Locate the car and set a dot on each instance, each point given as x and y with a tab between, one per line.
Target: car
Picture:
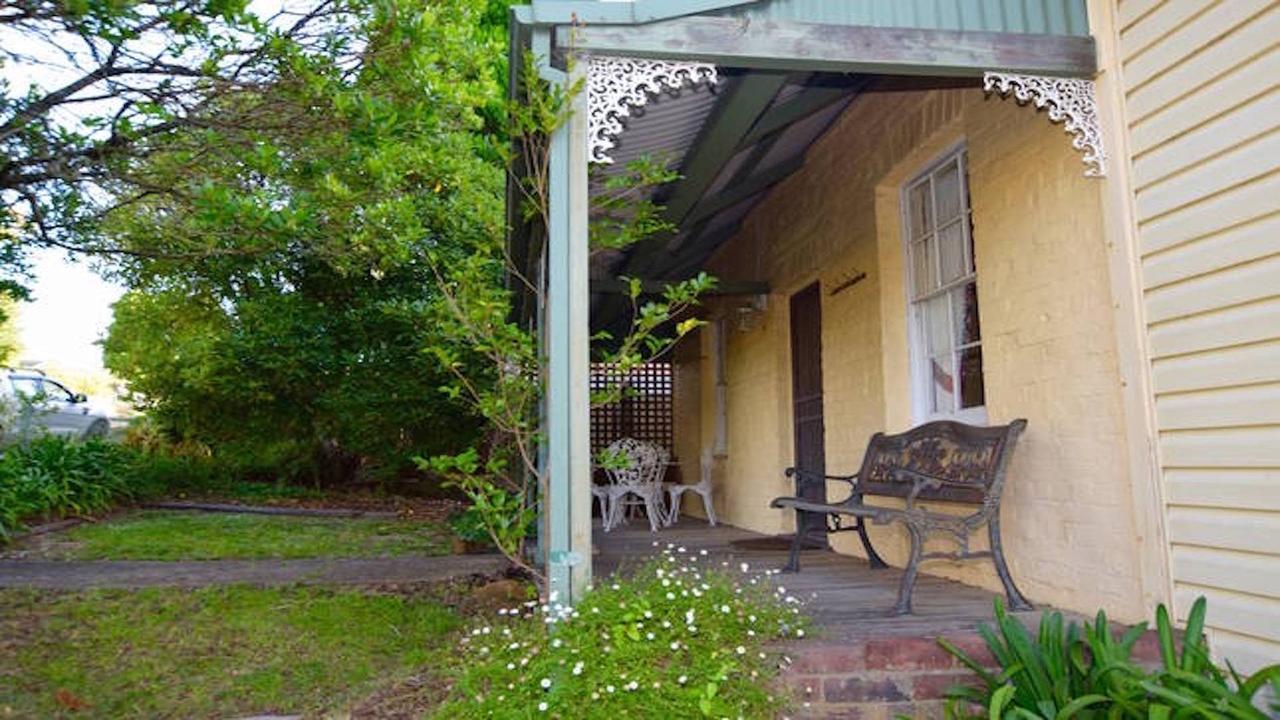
35	403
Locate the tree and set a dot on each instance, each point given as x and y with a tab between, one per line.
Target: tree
108	78
282	288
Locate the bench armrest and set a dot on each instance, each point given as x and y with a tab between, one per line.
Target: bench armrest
806	477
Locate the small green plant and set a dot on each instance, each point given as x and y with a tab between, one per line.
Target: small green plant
1190	684
1064	673
469	525
681	638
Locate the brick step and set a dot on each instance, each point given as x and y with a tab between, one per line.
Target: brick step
883	677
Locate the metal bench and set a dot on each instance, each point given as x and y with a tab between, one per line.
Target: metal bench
941	461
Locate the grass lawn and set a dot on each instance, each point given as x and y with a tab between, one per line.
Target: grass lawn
166	535
216	652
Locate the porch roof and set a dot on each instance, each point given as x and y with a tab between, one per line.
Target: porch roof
781	86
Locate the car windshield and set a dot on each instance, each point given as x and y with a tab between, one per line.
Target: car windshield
54	391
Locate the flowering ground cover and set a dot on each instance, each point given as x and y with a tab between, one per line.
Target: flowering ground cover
684	637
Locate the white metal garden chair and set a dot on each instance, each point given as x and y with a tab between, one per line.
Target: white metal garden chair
675	492
638	483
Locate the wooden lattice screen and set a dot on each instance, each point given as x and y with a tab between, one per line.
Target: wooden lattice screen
645	410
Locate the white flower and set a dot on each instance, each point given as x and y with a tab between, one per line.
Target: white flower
724	609
800	632
608	688
557	643
741	650
546	683
688	617
542	706
577	668
671	596
675	646
682	679
745	567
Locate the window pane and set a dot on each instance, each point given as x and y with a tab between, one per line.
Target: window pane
942	384
951	244
972	392
26	387
924	267
964	303
937	324
947	190
920	209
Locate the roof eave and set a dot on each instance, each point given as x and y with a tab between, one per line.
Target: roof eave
636	12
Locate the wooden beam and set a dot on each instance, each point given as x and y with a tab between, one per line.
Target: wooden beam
808	102
720	137
791	46
750	185
694	254
567	507
617	286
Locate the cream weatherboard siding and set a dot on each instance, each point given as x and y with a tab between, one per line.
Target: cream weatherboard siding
1202	93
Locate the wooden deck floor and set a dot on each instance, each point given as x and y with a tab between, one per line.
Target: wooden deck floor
846	599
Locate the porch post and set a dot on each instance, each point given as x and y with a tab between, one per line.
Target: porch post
568	501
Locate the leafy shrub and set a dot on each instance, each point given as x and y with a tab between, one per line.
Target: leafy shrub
1064	673
678	639
52	476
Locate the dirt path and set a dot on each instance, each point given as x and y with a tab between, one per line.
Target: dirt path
76	575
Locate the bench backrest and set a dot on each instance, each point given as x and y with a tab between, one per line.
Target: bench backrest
971	458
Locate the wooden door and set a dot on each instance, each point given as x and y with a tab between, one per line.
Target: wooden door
806	389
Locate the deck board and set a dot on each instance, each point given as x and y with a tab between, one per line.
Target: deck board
846	599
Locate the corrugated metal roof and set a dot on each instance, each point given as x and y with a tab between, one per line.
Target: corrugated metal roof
1048	17
664	129
667	129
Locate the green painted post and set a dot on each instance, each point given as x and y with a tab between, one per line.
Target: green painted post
568	501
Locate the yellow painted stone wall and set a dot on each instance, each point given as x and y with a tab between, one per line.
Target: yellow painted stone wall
1049	344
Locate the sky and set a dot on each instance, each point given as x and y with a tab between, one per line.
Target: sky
70	311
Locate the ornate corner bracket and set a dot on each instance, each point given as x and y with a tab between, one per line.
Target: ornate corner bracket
616	86
1069	101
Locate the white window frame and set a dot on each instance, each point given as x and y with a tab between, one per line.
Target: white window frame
921	378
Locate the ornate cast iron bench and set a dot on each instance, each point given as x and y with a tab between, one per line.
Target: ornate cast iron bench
939	461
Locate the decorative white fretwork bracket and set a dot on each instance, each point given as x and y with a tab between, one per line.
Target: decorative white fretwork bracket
616	86
1069	101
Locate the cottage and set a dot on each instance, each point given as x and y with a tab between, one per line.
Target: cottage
1063	211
